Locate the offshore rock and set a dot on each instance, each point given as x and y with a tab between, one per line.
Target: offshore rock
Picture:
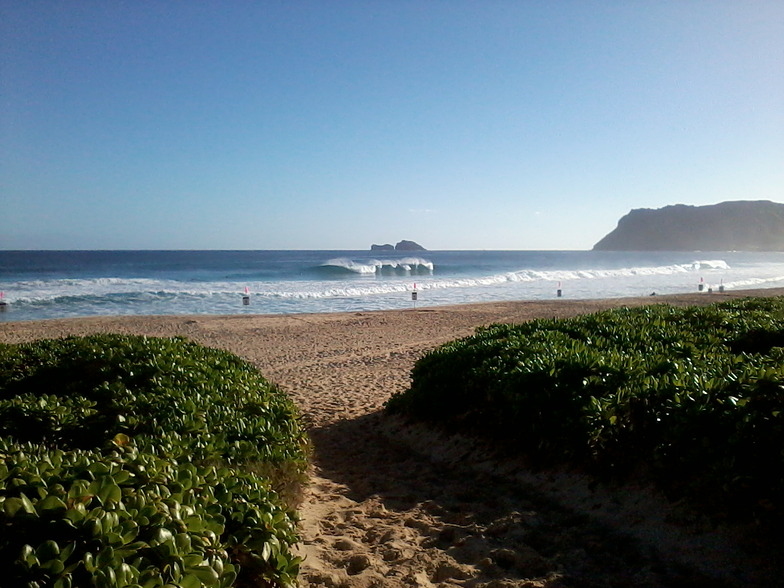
401	246
727	226
409	246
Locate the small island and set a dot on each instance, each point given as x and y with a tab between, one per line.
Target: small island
401	246
727	226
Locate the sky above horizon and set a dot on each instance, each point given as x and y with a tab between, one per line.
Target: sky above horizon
333	125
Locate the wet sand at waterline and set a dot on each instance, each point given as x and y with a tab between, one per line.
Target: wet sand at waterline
395	504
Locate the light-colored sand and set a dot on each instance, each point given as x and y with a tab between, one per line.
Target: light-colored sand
394	505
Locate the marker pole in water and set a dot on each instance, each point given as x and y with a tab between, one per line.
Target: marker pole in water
558	292
701	285
246	297
3	303
414	295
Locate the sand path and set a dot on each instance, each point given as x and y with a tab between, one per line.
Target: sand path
397	505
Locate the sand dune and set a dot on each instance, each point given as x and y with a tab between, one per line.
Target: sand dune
392	504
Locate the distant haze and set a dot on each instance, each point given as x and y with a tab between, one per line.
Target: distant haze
334	125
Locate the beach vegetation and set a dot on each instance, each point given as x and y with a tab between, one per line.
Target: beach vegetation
136	461
690	398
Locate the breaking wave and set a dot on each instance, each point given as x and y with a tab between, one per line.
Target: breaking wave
530	275
372	267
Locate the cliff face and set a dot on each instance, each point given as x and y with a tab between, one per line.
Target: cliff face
728	226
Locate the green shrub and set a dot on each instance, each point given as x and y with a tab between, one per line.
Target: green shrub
694	396
132	461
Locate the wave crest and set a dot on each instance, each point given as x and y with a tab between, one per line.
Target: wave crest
402	266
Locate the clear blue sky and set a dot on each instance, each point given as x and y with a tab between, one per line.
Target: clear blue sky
258	124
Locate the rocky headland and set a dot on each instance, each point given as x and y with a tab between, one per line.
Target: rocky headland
727	226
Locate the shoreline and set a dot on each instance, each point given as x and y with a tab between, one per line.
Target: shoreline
397	505
680	299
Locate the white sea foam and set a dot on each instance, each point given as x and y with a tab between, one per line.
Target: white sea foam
751	282
528	275
374	266
43	290
718	264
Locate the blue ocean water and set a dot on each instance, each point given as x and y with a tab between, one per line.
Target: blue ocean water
54	284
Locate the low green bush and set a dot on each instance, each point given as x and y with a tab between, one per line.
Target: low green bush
133	461
693	397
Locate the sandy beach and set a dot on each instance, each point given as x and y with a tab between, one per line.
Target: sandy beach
392	504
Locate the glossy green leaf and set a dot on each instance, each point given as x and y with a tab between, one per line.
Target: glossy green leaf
190	581
110	493
207	575
51	505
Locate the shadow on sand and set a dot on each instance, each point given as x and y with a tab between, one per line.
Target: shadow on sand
423	511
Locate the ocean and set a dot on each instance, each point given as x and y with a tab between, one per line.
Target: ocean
56	284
